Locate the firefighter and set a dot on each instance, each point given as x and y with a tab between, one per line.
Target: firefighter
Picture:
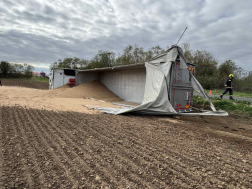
0	83
229	87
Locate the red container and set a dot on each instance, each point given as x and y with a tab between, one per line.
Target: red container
72	82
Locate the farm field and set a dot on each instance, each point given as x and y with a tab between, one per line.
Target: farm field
29	83
47	149
49	139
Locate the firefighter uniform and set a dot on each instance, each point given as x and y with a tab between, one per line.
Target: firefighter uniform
229	87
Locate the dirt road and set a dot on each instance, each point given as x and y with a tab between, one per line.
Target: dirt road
48	149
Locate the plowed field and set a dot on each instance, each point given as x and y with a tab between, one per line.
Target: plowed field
29	83
48	149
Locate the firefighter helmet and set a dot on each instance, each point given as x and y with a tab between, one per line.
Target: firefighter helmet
231	75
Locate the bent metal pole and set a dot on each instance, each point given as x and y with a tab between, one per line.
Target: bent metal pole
181	36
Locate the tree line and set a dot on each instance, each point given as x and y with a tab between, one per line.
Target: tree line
209	71
12	70
131	55
212	74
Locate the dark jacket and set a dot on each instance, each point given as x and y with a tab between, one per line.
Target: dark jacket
229	83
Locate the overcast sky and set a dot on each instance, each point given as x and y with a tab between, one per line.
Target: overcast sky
40	32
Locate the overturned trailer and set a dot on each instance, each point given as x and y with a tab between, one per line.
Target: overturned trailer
60	76
164	85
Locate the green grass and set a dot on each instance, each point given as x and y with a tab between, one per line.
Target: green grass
241	107
238	94
34	78
40	79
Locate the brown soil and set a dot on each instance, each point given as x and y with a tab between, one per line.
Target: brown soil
48	149
78	147
25	83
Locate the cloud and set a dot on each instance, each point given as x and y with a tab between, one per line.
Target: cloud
36	31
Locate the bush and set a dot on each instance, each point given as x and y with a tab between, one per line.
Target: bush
225	105
241	107
208	82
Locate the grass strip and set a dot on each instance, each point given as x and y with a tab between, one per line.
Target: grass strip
238	94
241	107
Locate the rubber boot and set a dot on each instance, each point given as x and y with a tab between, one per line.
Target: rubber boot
221	96
231	98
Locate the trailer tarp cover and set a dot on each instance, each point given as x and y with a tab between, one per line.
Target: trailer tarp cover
156	98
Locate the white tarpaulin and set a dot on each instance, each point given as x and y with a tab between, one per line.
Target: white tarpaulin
156	100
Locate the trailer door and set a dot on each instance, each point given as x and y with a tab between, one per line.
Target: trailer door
58	80
181	91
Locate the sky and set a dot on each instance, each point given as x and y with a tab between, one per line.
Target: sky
40	32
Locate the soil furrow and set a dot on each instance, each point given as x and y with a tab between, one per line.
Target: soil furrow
37	175
46	149
154	160
203	167
98	158
173	157
20	160
114	149
79	152
2	175
181	157
135	176
41	159
162	146
4	149
58	157
130	154
74	156
43	154
198	175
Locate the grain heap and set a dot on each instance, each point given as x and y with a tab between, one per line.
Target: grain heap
93	89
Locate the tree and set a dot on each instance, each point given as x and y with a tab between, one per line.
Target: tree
188	53
17	68
157	50
206	66
102	59
148	55
134	54
205	62
127	57
82	63
227	68
74	63
28	69
138	54
5	68
54	65
106	58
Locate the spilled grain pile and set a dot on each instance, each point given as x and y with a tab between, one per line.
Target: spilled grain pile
66	86
93	89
